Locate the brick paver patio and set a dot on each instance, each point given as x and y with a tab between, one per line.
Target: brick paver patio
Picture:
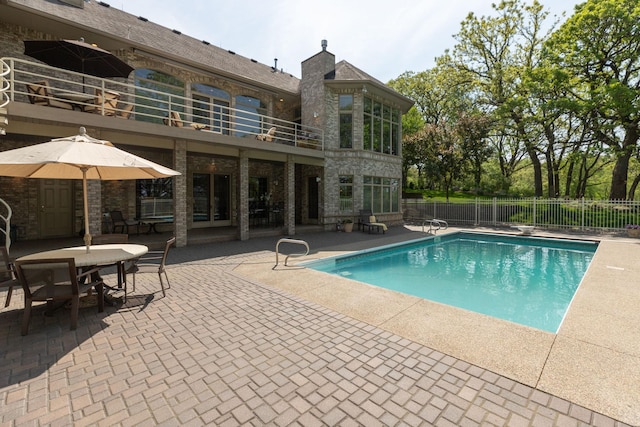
221	350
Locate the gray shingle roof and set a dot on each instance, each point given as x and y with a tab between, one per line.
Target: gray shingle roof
133	32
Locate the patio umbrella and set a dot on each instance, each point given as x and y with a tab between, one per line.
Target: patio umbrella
79	157
76	55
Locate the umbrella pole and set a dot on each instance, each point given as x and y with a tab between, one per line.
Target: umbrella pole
87	235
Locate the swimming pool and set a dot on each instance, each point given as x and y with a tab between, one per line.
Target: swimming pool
526	280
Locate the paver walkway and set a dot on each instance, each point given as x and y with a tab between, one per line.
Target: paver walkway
221	350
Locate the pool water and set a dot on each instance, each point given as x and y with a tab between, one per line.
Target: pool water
526	280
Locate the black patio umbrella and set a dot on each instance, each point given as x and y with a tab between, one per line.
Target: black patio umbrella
76	55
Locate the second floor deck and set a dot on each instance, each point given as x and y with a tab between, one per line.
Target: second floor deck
63	91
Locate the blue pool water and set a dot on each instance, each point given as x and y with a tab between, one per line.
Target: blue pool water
526	280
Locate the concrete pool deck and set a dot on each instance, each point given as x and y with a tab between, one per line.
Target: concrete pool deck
593	360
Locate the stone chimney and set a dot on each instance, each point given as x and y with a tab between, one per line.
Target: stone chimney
315	71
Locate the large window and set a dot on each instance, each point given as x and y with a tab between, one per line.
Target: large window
157	93
381	195
249	115
154	197
346	193
381	127
346	121
210	106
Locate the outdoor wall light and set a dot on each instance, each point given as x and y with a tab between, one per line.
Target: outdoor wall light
318	179
315	114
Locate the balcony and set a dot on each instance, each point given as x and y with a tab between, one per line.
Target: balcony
35	83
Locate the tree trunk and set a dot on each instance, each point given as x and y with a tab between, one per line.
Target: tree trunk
621	169
632	190
567	187
537	171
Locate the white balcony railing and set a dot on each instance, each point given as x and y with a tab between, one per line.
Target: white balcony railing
71	90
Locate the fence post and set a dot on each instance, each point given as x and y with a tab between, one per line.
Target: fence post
475	222
534	211
583	215
495	211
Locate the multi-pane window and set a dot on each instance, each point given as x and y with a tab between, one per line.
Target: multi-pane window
210	106
249	115
381	195
346	193
381	127
154	197
157	94
346	121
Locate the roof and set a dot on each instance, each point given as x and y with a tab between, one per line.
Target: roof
115	29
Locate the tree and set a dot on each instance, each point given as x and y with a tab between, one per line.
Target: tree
599	50
497	52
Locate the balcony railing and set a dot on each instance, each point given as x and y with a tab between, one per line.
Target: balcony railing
33	82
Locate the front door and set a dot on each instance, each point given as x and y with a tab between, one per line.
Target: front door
211	200
56	208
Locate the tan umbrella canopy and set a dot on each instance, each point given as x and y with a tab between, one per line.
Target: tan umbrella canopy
79	157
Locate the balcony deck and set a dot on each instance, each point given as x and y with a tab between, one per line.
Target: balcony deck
65	94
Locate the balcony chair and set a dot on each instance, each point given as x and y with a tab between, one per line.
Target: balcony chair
176	120
54	280
124	111
40	94
267	136
106	103
119	222
8	278
153	262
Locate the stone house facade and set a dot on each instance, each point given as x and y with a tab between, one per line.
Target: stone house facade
336	148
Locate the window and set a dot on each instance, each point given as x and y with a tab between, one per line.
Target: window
346	121
210	107
346	193
248	115
154	197
381	127
157	93
381	195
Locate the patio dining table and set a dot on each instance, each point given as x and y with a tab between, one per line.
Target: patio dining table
97	256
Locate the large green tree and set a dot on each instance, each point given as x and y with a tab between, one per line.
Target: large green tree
598	49
496	52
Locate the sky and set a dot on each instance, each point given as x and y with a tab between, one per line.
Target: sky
382	38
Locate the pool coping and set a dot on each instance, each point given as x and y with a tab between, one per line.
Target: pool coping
593	360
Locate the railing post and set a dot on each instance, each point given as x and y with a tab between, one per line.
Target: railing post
534	211
583	214
495	211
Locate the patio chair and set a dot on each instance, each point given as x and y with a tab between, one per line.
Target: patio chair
40	94
153	262
267	136
7	275
53	280
368	220
106	239
119	222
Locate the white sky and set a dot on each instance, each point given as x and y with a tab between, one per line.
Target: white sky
382	38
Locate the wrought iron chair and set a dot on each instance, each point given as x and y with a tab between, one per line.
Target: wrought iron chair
53	280
119	222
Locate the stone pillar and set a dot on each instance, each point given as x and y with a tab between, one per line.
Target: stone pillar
180	193
94	200
290	195
243	196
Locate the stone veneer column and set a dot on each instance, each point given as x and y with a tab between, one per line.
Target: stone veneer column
180	193
290	195
94	200
243	196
